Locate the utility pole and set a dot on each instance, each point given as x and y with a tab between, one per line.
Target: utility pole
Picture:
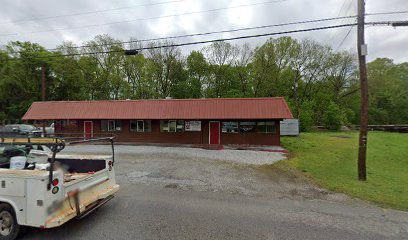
362	52
43	82
43	88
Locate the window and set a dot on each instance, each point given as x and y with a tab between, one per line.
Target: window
230	127
111	125
62	123
246	127
265	127
140	125
172	126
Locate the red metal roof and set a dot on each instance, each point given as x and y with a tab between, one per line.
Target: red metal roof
216	108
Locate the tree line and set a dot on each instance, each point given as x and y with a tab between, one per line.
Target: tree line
320	85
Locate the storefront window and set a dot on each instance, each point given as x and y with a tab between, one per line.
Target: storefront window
140	125
111	125
230	127
266	127
247	127
172	126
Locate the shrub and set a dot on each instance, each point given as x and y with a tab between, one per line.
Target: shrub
334	117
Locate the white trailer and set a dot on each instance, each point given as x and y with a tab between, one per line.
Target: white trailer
50	198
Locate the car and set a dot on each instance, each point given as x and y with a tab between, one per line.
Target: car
50	129
20	129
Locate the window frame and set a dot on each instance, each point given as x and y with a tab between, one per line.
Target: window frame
138	129
252	123
273	125
175	124
115	125
230	122
145	128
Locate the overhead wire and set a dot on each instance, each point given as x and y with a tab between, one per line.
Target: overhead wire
205	41
145	19
175	15
213	32
247	28
386	13
337	32
90	12
345	38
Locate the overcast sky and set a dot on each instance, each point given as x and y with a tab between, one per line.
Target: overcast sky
49	22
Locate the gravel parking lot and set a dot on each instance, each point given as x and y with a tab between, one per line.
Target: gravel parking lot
186	193
233	171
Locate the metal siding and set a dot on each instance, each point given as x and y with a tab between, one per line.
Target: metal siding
238	108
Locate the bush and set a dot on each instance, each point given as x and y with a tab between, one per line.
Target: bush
306	116
334	117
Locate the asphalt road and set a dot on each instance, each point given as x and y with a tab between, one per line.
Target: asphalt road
168	196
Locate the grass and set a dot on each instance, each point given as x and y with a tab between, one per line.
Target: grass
330	160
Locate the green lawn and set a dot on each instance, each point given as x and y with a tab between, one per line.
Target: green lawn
330	160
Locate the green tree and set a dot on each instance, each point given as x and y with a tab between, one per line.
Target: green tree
220	56
334	117
165	67
20	82
197	68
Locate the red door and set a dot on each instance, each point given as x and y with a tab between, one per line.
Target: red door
214	132
88	129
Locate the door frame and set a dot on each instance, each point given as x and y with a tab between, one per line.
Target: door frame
219	132
85	128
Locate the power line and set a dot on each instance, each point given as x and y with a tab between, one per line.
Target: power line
345	38
342	6
386	13
144	19
90	12
207	41
349	31
249	36
175	15
386	23
213	32
334	35
380	23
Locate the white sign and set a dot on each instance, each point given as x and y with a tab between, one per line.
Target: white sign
193	126
289	127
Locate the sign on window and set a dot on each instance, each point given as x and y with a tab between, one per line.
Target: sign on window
193	126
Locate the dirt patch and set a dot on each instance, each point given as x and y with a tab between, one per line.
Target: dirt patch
173	185
288	182
341	136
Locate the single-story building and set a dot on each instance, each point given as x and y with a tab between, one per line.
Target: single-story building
253	121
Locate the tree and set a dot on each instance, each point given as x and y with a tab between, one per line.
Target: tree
320	85
197	68
272	67
387	92
334	117
241	72
165	67
109	77
220	56
21	83
68	81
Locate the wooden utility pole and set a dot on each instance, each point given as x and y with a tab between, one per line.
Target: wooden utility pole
362	52
43	88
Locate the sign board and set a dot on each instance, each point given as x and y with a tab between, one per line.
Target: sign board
289	127
193	126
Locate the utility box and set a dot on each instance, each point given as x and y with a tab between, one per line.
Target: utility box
289	127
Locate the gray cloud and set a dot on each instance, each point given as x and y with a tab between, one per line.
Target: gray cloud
383	41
